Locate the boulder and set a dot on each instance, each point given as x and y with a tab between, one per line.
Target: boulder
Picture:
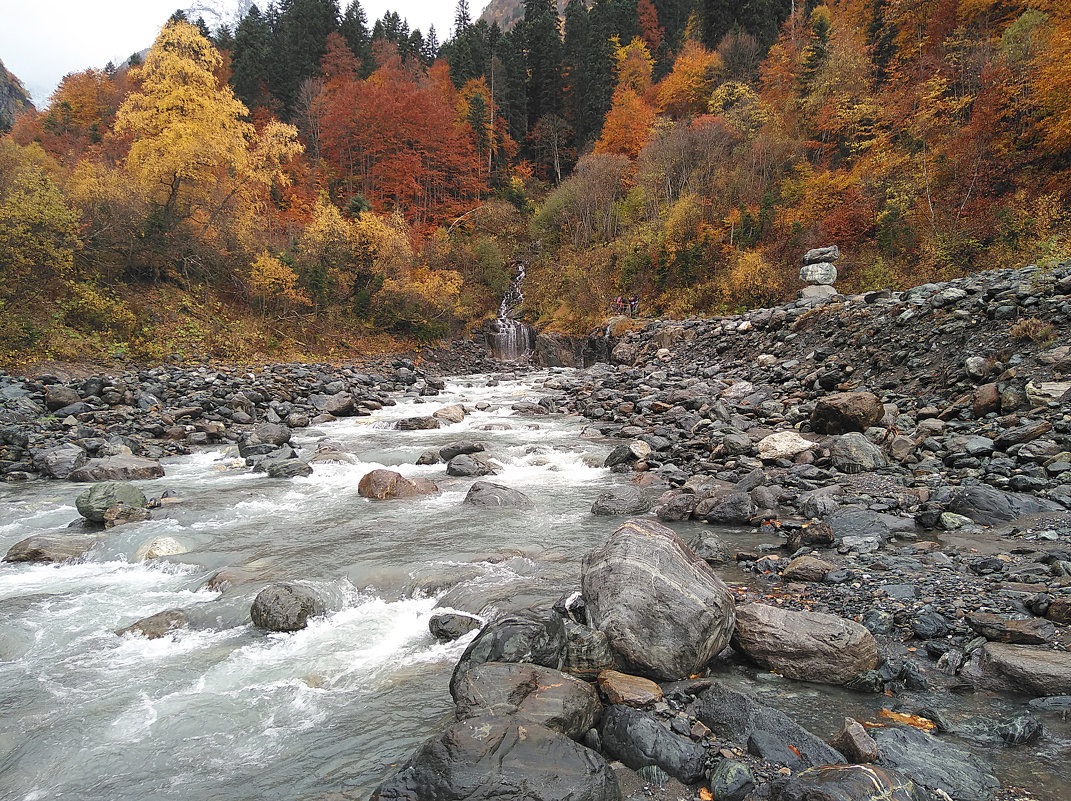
448	452
634	691
418	424
284	607
997	628
731	780
637	739
737	717
936	764
493	759
853	741
382	485
272	434
466	466
818	255
988	505
58	396
1020	668
160	547
121	515
61	461
736	508
118	468
819	274
853	453
678	506
587	651
1046	392
986	400
159	625
808	646
340	404
484	493
665	612
845	412
450	626
530	637
849	783
806	568
98	499
783	445
621	501
50	548
535	694
455	413
289	468
630	452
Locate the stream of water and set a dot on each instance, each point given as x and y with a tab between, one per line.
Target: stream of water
223	711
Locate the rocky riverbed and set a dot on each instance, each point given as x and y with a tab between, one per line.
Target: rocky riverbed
850	513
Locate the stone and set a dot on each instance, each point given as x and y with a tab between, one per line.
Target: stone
532	637
272	434
1060	610
819	274
665	612
121	515
996	628
1045	392
853	741
289	468
98	499
986	400
454	413
818	255
737	717
845	412
587	651
448	452
340	404
628	453
621	501
634	691
679	506
58	396
61	461
989	506
450	626
936	764
783	445
418	424
493	758
637	739
736	508
731	781
1020	668
853	453
816	294
850	783
486	494
159	547
468	466
118	468
807	646
384	485
50	548
284	607
531	693
977	368
159	625
1018	435
806	568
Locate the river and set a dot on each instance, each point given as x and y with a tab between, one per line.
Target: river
223	711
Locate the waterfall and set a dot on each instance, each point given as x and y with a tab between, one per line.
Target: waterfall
509	339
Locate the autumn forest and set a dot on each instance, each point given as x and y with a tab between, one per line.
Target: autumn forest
313	183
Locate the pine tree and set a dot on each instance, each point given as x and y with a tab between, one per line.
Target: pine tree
301	40
543	48
599	66
574	67
509	82
354	29
251	59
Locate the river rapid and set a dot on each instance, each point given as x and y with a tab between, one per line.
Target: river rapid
223	711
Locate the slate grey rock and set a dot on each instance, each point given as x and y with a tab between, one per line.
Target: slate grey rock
450	626
61	461
159	625
460	448
936	764
340	404
587	651
637	739
853	453
486	494
535	637
850	783
466	466
98	499
289	468
845	412
988	505
665	612
819	274
736	508
731	781
621	501
50	548
118	468
284	607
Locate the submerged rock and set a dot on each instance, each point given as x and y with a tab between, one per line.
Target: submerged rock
50	548
849	783
284	607
484	493
936	764
159	625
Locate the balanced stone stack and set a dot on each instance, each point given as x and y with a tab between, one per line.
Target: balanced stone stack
819	273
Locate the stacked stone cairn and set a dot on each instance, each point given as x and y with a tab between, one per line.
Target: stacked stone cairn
819	273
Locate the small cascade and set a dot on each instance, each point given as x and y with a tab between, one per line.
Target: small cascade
508	339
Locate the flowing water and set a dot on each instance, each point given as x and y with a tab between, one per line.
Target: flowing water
223	711
509	339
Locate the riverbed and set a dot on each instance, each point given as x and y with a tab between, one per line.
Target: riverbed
223	711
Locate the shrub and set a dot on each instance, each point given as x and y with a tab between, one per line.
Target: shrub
1034	329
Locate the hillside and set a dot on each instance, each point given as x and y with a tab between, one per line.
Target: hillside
508	13
14	99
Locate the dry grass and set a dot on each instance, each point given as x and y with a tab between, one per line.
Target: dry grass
1033	329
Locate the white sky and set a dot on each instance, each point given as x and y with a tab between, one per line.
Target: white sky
43	40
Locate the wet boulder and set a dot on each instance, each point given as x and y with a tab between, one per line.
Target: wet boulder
737	508
665	612
94	503
495	758
61	461
159	547
587	651
1026	631
533	637
455	413
737	717
288	468
844	412
382	485
418	424
1020	668
628	453
450	626
159	625
340	404
484	493
535	694
461	447
634	691
284	607
731	780
621	501
468	466
807	646
637	739
988	505
118	468
849	783
936	764
50	548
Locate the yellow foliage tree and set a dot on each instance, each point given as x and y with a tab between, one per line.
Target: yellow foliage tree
628	124
634	65
274	282
687	89
38	237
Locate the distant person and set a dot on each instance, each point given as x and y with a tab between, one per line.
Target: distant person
619	305
634	306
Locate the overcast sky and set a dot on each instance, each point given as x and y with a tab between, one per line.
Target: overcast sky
43	40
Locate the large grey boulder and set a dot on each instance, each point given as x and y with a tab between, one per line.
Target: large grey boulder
853	453
469	466
98	499
621	501
497	758
532	637
819	274
936	764
58	396
850	783
50	548
819	255
665	612
532	693
808	646
382	485
1020	669
988	505
284	607
118	468
847	411
61	461
484	493
637	739
340	404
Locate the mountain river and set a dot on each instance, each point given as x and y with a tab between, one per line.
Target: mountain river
223	711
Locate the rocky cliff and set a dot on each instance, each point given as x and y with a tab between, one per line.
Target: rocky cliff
14	99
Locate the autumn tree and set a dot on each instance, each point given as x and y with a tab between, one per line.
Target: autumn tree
687	88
